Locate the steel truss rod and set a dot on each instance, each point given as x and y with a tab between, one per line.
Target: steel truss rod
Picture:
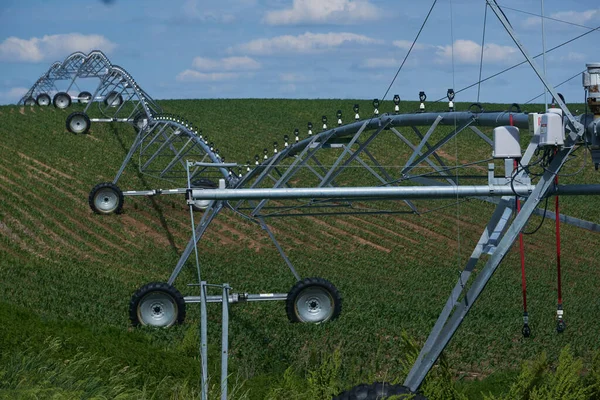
436	146
574	125
440	337
209	214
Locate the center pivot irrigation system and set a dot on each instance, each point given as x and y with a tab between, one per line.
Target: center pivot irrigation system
118	96
351	169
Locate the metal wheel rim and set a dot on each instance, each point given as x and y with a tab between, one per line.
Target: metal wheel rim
142	123
113	101
106	200
44	101
29	102
78	124
85	99
62	102
157	309
314	304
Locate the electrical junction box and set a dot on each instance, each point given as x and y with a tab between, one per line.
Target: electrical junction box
506	142
535	121
552	131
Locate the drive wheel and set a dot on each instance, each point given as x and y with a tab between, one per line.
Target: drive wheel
157	304
377	391
78	122
61	100
313	300
106	198
43	100
85	97
113	99
30	101
140	121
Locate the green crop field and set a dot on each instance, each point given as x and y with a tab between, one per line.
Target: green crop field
67	274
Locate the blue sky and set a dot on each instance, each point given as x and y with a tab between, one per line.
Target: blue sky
299	48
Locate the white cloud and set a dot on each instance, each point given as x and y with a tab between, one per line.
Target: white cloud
340	12
51	47
190	75
305	43
469	52
225	64
576	17
12	95
405	45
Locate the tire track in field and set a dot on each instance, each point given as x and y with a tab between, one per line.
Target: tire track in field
7	250
85	216
422	231
8	232
38	200
54	221
345	234
106	229
388	231
54	170
47	232
390	241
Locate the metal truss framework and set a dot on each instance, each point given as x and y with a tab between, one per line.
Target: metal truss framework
163	146
319	176
118	96
76	65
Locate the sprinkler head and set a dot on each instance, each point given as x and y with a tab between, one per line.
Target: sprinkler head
375	103
339	117
422	96
355	108
396	99
450	94
526	331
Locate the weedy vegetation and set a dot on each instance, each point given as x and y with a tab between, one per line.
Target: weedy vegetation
68	274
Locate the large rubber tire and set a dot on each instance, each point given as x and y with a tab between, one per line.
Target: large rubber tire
30	101
43	100
61	100
157	304
313	300
106	198
84	97
78	122
113	99
377	391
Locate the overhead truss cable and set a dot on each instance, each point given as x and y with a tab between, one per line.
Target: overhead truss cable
522	62
410	49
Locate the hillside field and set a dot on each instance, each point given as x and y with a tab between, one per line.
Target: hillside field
67	274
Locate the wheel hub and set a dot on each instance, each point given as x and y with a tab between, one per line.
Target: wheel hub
313	305
106	200
157	310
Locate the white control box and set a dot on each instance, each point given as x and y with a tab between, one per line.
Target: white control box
552	131
506	142
535	121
